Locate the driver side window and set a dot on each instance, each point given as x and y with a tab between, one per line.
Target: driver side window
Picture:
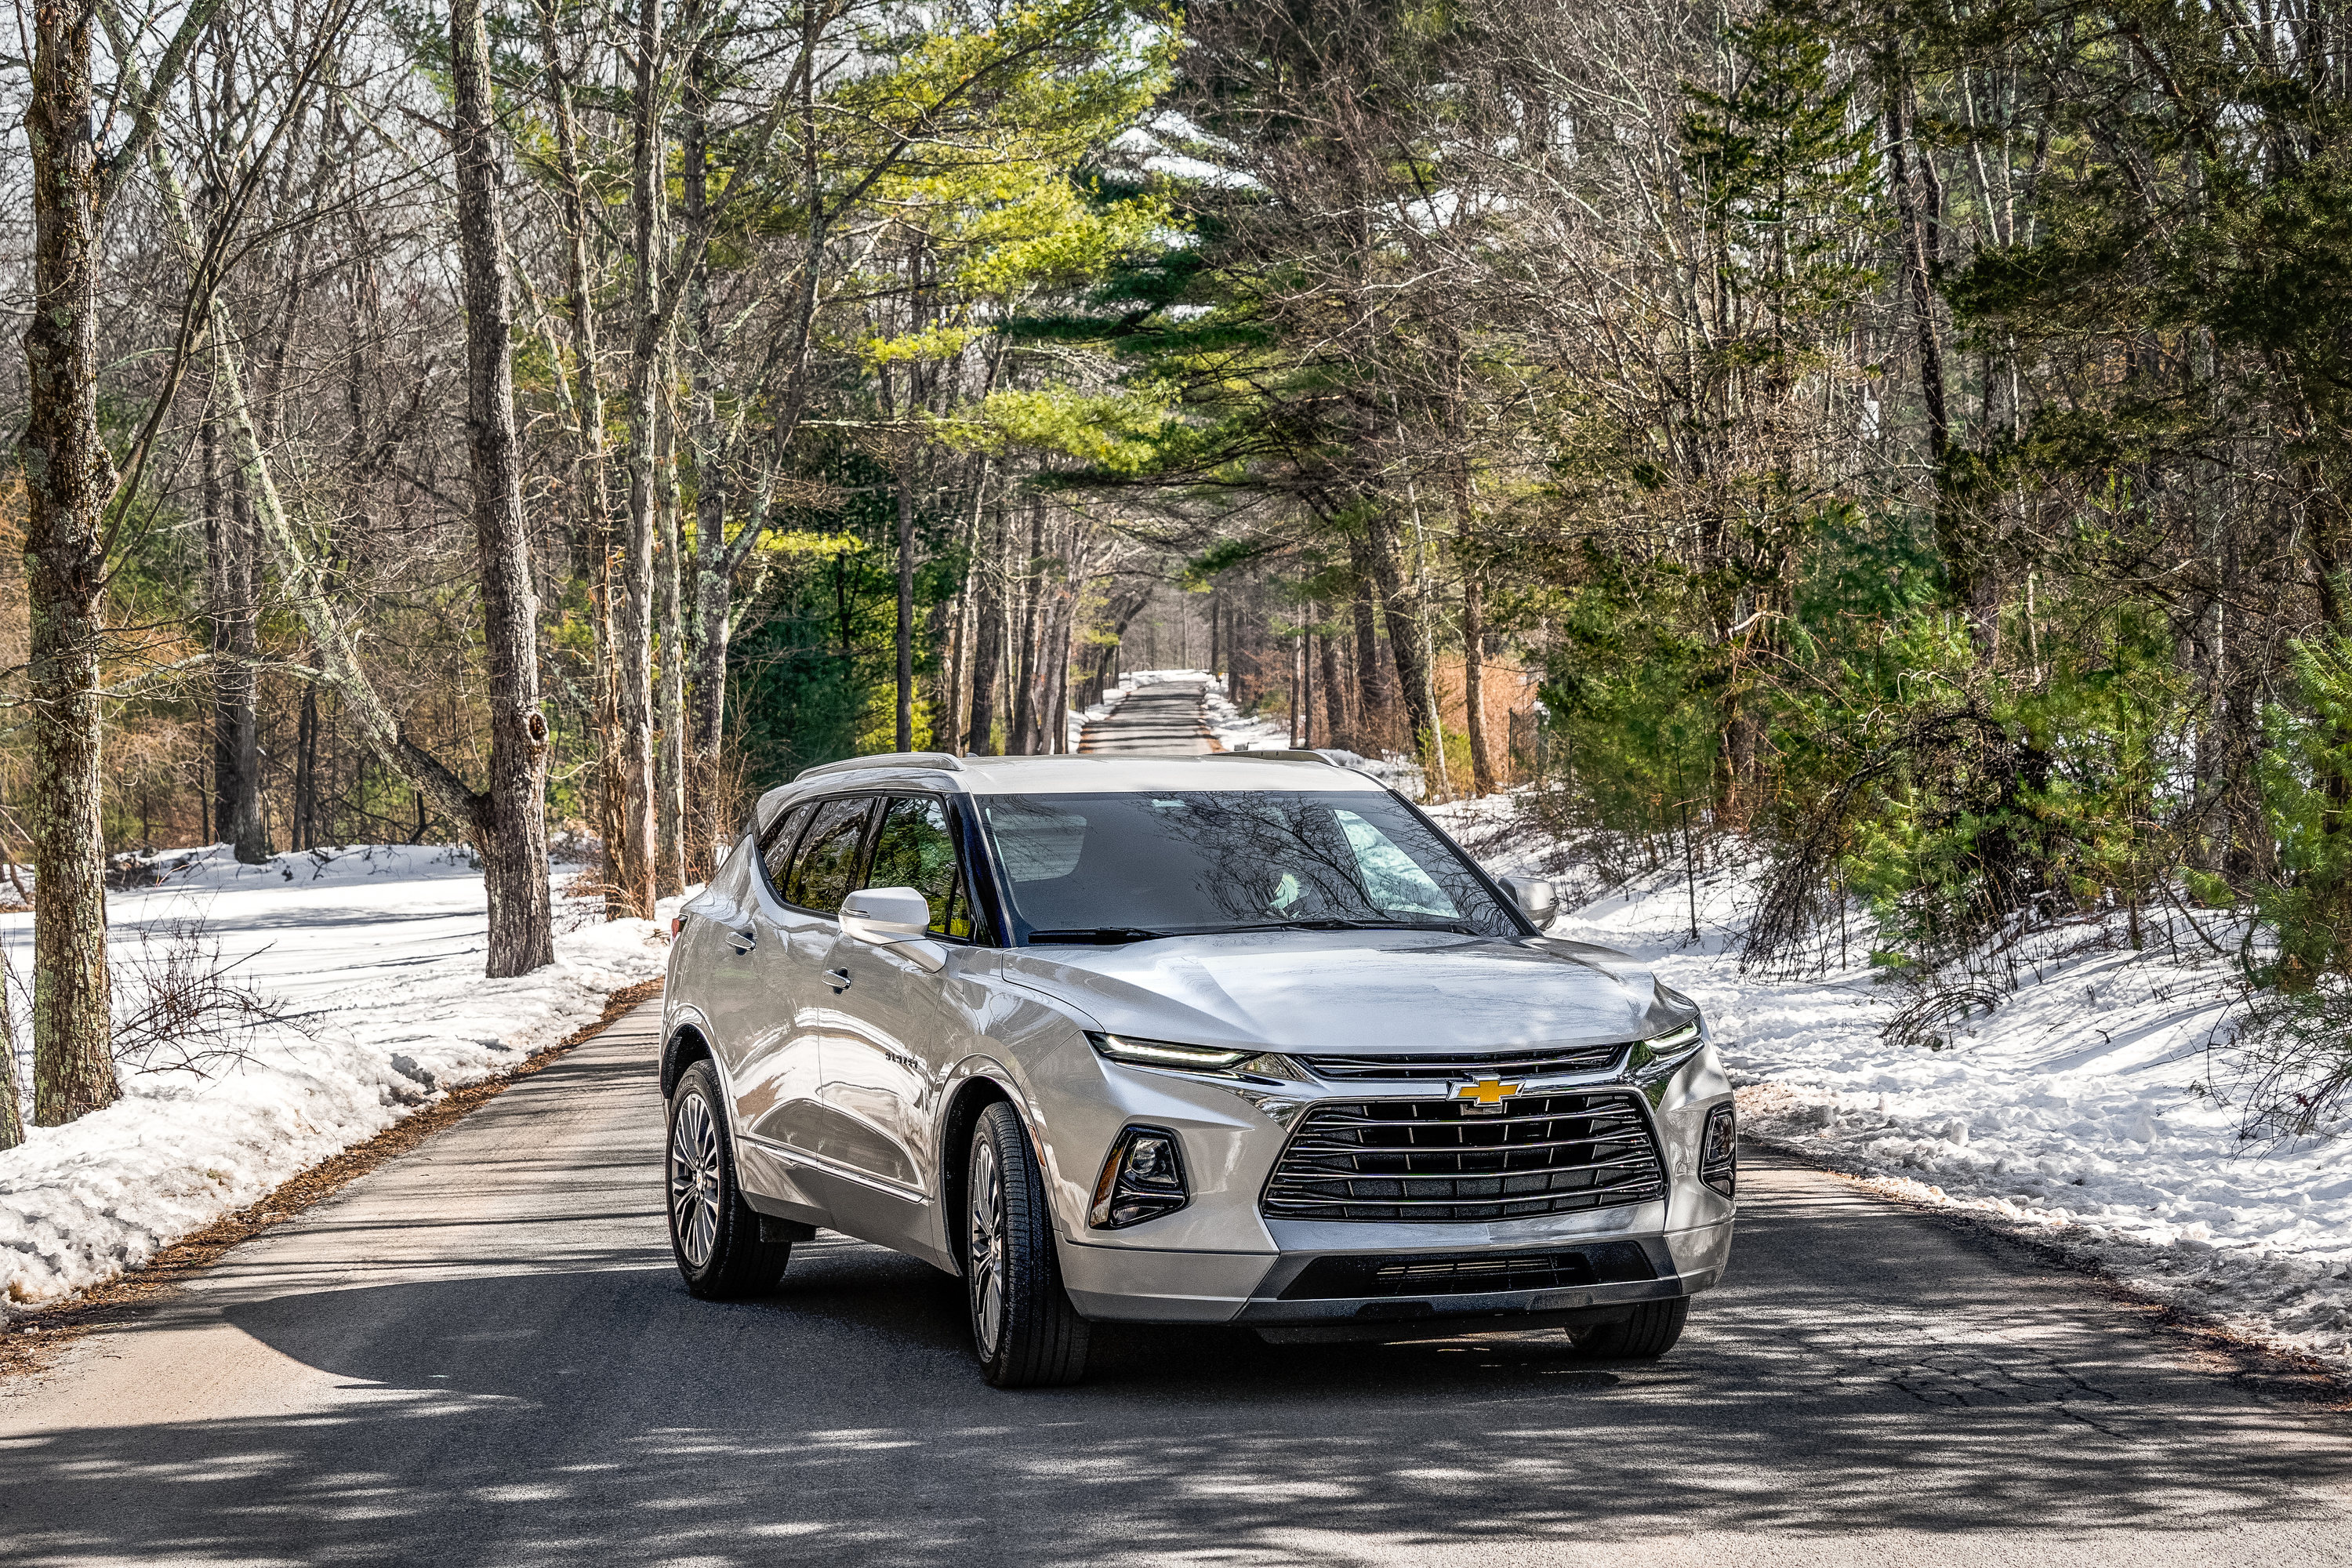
914	847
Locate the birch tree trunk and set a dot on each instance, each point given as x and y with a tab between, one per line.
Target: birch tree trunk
67	479
510	817
670	816
12	1118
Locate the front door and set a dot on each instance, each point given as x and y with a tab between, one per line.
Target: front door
898	1031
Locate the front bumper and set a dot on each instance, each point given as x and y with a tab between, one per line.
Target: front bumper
1137	1284
1222	1259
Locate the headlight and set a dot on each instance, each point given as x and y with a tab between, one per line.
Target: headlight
1143	1178
1225	1061
1167	1053
1655	1061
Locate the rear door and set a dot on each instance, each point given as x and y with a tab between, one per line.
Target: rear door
733	989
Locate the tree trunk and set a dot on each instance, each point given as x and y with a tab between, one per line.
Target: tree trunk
670	816
632	652
235	614
510	817
1374	710
1473	680
1402	605
988	643
12	1118
1336	729
1026	732
903	447
67	479
592	504
306	772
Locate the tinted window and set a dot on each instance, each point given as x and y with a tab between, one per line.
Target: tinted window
1193	861
914	849
827	866
776	850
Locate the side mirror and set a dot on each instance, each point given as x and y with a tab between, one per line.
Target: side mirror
893	917
1536	898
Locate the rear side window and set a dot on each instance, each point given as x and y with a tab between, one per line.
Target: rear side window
916	848
825	868
776	850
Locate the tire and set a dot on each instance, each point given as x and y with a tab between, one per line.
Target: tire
1648	1334
713	1233
1023	1329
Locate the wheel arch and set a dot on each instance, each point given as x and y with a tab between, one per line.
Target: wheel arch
971	1096
686	1045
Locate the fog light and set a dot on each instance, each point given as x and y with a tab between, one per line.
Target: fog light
1142	1179
1718	1160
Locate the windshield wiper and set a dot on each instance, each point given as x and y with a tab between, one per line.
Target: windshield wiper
1108	934
1462	928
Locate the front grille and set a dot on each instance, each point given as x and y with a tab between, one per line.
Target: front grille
1432	1160
1468	1273
1529	1061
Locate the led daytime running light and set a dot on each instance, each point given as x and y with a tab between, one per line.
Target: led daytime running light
1167	1053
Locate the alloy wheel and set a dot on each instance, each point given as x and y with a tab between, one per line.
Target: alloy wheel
987	1246
694	1181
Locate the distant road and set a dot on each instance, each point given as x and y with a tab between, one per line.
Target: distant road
479	1354
1164	719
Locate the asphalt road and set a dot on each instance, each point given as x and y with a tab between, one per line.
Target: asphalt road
480	1354
1161	720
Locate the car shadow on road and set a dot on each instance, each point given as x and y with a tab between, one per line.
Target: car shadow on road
1843	1381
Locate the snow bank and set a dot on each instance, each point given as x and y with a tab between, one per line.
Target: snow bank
377	953
2092	1107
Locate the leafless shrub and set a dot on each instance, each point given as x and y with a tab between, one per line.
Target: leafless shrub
181	1006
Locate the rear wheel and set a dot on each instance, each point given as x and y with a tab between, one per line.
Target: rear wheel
713	1233
1023	1328
1646	1335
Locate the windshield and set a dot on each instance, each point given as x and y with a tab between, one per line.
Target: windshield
1123	867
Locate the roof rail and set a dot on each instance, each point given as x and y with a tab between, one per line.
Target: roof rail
1328	759
938	761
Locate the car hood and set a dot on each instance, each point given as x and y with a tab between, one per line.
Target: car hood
1364	993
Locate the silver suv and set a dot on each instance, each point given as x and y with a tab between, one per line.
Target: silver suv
1235	1039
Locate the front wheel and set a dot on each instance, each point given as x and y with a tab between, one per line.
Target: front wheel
713	1233
1022	1326
1648	1333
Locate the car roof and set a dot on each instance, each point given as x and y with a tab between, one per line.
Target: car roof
1074	775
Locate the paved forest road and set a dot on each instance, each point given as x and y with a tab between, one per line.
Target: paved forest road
479	1355
1161	720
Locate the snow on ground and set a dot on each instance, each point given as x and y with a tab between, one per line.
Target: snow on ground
2092	1109
377	953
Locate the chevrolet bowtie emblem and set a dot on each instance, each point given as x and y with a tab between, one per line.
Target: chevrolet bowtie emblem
1485	1096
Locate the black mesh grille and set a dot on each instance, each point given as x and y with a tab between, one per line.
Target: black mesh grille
1529	1061
1440	1160
1468	1273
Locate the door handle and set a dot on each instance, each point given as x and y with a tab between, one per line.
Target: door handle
838	979
742	941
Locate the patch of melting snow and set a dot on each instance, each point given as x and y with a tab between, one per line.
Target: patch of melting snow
2093	1107
377	950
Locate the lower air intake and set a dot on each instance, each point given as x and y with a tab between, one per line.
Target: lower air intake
1468	1273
